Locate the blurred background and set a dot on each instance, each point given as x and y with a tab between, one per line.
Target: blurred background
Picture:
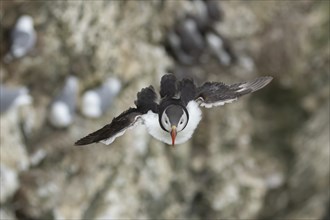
265	156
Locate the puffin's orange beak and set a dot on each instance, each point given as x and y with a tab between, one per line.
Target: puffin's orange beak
173	134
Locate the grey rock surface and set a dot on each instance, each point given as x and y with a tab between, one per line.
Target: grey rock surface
6	214
8	181
263	156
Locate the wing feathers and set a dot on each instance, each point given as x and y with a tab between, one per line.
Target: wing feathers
254	85
116	128
212	94
146	100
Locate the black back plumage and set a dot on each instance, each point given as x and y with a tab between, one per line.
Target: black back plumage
171	88
187	90
168	86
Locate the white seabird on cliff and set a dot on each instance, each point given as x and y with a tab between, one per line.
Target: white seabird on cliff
11	98
96	102
23	38
63	107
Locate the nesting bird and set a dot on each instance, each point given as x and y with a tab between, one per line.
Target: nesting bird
63	107
213	10
173	46
96	102
23	38
11	98
195	35
174	116
220	48
185	42
208	11
191	39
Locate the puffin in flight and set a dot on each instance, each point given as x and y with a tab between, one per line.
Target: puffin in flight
174	117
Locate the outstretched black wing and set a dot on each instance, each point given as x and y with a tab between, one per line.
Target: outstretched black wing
129	119
116	128
212	94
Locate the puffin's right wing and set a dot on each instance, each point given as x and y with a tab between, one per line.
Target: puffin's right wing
212	94
146	101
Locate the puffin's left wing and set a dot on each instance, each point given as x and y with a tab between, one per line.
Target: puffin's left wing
127	120
146	101
212	94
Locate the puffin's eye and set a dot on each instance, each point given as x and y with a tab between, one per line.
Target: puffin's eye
166	120
181	122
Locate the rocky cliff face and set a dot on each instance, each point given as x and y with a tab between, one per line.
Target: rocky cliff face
264	156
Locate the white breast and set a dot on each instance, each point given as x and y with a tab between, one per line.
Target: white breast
152	123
